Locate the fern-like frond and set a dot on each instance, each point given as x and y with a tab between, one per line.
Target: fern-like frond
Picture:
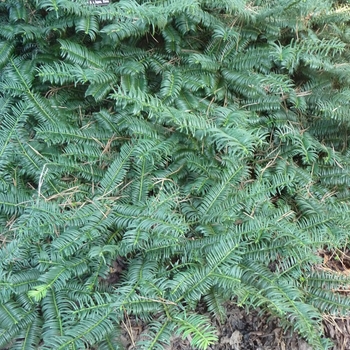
219	192
198	327
21	281
14	319
55	307
88	25
30	335
6	50
88	331
78	54
195	282
56	277
117	170
171	85
215	302
284	299
10	124
329	302
158	335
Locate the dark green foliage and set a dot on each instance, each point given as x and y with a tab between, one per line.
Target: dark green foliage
200	144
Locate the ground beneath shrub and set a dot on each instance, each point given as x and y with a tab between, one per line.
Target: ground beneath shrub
253	331
247	331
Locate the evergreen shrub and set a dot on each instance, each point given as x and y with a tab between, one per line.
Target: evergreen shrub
157	154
